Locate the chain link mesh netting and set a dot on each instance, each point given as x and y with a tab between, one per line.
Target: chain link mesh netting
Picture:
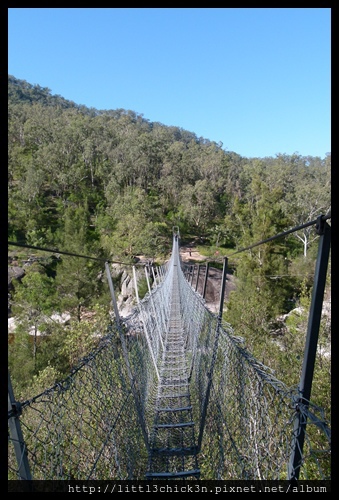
171	392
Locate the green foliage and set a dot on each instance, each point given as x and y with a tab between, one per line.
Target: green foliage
20	360
46	377
199	205
249	311
111	184
51	349
120	168
297	324
142	288
213	251
82	337
34	300
34	296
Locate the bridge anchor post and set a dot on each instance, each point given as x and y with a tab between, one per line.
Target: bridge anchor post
310	351
17	436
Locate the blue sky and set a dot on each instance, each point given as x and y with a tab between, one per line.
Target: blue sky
256	79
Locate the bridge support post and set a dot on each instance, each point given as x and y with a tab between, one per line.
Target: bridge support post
197	282
215	349
305	385
154	278
192	274
114	301
223	286
16	435
205	281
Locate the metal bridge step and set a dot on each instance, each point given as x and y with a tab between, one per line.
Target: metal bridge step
174	363
174	367
191	450
178	357
169	379
179	365
185	473
172	426
182	408
185	395
177	384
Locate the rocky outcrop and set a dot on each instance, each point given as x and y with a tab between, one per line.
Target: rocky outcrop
63	318
14	272
279	326
124	287
126	298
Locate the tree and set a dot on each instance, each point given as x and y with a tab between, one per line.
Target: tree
199	205
78	280
309	198
136	227
258	298
34	298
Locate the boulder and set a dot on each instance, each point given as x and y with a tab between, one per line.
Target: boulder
14	272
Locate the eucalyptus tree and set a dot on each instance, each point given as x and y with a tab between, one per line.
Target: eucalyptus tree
199	205
308	197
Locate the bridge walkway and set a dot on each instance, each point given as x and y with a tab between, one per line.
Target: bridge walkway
174	451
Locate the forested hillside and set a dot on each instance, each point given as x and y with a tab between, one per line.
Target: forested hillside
112	184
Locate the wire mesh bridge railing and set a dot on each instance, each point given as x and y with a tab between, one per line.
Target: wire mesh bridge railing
170	392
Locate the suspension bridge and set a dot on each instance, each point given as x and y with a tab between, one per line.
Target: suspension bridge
170	393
